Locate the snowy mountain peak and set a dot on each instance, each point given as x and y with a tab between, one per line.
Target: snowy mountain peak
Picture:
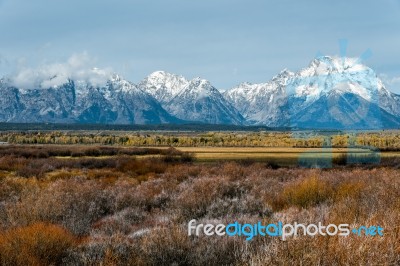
198	88
163	85
345	75
163	76
282	78
200	101
158	76
284	73
331	92
326	80
325	65
200	83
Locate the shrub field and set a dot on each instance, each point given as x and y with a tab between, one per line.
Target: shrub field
89	205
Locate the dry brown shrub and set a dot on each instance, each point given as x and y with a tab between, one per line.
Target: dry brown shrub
111	250
147	196
74	203
333	250
12	163
172	246
121	222
233	170
63	174
195	197
353	189
181	172
141	168
167	246
308	192
103	173
137	213
37	244
11	188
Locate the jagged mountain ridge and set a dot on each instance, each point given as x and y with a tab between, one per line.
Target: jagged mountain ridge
323	89
195	100
163	86
332	92
117	102
262	103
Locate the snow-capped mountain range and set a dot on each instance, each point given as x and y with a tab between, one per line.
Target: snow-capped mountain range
332	92
195	100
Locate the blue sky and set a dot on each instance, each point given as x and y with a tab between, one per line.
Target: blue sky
224	41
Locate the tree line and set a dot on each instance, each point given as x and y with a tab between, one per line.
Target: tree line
380	140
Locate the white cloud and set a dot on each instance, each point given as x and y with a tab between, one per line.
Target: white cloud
392	83
395	80
79	67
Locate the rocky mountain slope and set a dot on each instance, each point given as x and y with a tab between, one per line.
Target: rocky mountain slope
117	102
195	100
331	92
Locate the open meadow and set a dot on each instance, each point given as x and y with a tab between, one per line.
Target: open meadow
104	203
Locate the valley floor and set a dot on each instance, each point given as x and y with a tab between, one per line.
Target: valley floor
91	205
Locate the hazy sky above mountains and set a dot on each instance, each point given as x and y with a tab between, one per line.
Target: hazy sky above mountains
224	41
